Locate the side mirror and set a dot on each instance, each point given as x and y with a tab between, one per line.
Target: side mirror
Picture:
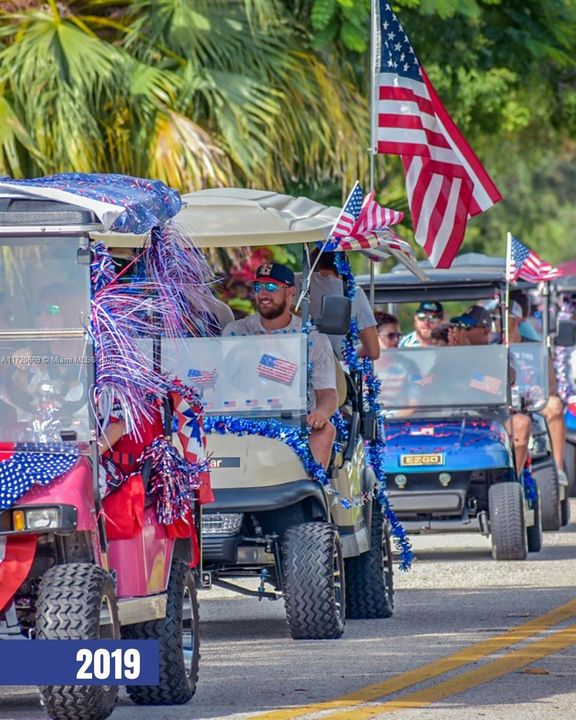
565	333
335	315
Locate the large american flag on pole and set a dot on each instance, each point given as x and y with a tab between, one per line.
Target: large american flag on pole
445	182
526	264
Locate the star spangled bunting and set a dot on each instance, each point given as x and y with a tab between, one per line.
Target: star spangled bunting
528	265
276	369
445	182
26	464
486	383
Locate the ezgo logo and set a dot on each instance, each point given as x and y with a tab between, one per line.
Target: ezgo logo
216	463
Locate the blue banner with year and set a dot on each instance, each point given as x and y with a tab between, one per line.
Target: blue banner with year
79	662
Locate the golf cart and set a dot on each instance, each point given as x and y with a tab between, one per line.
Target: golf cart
323	548
62	576
448	454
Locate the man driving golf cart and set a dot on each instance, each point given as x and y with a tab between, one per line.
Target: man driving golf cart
274	291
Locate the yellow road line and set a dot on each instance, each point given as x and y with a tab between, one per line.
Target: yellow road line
495	669
437	667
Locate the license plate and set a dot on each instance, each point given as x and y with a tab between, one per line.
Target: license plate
422	459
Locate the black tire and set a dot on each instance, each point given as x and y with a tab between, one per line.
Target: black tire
534	532
77	602
570	465
507	528
314	588
178	673
369	577
546	477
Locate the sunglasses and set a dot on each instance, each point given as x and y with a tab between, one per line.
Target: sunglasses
428	316
392	336
51	310
268	286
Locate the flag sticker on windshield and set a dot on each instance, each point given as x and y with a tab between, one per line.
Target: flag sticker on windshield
273	368
486	383
204	378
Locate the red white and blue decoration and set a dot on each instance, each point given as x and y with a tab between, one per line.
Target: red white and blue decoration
23	465
527	265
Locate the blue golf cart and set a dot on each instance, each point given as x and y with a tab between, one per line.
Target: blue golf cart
448	455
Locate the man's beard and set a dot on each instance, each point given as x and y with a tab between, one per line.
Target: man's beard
271	312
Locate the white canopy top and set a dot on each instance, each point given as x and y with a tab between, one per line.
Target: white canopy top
234	217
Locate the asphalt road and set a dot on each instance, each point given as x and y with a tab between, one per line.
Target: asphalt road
470	638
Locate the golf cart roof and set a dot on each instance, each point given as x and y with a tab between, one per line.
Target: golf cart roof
236	217
565	284
472	276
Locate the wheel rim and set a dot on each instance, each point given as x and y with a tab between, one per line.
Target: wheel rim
188	631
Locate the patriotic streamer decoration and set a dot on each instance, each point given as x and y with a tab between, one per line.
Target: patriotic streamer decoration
376	448
562	360
23	465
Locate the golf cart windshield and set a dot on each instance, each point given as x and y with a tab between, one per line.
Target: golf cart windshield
423	380
257	375
45	363
531	365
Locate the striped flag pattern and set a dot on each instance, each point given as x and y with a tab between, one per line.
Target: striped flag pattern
528	265
445	182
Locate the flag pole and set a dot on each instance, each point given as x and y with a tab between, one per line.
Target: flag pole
507	293
374	69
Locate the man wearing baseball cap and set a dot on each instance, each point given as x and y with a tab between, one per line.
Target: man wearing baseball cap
274	291
471	328
428	315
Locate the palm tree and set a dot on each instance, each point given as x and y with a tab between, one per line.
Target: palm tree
194	92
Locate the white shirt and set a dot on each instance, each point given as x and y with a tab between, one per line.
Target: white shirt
321	285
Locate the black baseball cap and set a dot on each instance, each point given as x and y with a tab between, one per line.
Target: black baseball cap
475	316
431	306
275	271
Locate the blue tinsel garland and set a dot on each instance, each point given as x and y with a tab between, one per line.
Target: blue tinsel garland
530	488
375	450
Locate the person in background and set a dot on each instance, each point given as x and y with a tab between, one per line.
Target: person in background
325	280
428	316
473	328
388	329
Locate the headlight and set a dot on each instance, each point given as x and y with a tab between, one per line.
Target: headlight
221	523
42	518
444	478
401	481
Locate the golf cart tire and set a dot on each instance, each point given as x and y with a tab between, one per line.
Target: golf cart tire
507	527
369	577
315	605
570	464
534	532
70	600
546	478
177	682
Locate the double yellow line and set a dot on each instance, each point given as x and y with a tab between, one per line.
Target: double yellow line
348	707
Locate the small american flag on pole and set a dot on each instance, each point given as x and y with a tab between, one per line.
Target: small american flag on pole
349	213
273	368
526	264
445	182
486	383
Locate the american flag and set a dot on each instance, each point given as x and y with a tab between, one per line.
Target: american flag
251	403
486	383
229	403
445	182
273	368
359	219
205	378
349	213
526	264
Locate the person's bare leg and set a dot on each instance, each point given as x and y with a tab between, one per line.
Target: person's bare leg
321	442
554	414
521	429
